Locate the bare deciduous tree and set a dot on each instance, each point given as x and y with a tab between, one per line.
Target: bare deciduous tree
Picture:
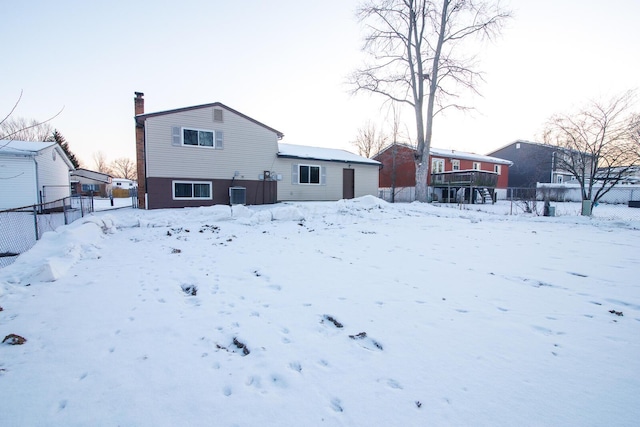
124	167
21	129
101	164
370	140
596	144
415	49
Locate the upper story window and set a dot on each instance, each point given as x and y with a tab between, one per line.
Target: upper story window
476	166
455	164
199	138
497	169
437	165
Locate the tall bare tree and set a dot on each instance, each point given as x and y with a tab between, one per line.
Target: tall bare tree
124	167
417	58
370	140
596	144
101	164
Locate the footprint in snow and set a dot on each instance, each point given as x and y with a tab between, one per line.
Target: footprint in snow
366	342
336	405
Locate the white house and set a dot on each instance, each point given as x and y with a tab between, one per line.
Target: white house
123	183
212	154
32	173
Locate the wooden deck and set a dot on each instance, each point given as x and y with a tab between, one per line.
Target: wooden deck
472	181
465	178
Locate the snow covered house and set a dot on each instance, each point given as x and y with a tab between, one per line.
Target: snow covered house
32	173
212	154
454	175
90	183
313	173
124	183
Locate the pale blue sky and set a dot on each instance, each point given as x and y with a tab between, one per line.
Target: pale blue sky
285	63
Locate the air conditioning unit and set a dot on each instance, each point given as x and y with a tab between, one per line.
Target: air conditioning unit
237	195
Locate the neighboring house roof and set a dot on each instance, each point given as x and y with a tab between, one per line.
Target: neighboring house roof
468	156
454	154
291	151
31	148
142	117
89	174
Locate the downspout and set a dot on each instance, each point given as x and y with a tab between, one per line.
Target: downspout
35	170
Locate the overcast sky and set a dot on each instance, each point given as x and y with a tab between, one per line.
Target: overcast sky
285	63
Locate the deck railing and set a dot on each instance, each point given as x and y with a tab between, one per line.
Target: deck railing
466	178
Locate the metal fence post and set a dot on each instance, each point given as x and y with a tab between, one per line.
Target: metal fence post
35	221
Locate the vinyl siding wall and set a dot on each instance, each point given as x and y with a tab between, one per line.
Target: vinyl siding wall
18	186
366	181
248	148
53	175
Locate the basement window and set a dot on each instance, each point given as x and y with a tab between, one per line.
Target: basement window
191	190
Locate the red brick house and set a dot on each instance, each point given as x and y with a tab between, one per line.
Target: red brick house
454	175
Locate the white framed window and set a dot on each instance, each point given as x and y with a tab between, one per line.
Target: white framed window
309	174
437	165
455	164
91	187
202	138
477	166
192	190
497	169
559	179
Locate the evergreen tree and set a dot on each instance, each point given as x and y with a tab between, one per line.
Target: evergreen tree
57	137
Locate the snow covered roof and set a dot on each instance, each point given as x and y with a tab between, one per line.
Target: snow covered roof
468	156
318	153
22	147
454	154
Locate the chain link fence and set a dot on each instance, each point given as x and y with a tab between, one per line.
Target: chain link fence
21	228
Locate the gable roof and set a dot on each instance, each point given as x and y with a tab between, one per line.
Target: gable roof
142	117
291	151
523	141
25	148
94	175
32	148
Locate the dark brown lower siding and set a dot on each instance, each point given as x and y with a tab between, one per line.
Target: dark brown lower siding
160	192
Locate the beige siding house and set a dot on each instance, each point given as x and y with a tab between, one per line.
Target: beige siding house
212	154
312	173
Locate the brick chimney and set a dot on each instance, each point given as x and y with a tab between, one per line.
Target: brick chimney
139	103
140	153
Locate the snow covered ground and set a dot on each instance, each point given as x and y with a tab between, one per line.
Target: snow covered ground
353	313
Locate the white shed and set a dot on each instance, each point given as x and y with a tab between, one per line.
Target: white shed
32	173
